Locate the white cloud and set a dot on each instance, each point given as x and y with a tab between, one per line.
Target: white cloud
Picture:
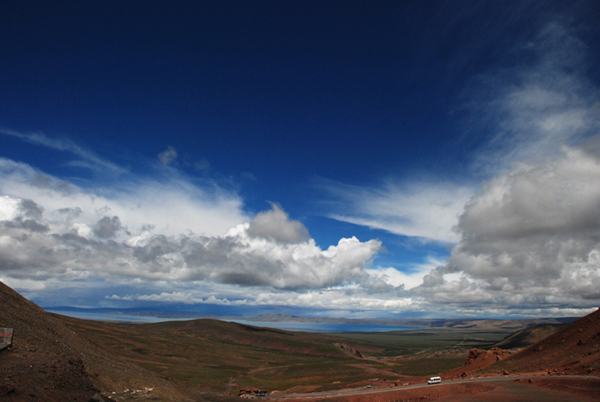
425	210
173	297
183	242
171	206
117	297
264	262
408	279
532	111
530	239
535	229
26	284
334	299
9	208
87	158
160	232
276	225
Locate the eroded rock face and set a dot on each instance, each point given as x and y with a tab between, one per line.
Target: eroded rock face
488	356
252	392
349	349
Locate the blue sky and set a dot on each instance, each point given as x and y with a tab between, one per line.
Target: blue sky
359	159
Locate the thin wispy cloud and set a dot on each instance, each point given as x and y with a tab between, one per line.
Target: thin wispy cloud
87	159
428	211
533	111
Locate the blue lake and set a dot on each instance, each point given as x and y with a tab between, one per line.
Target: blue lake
287	326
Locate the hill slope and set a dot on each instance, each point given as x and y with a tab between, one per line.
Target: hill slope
529	336
572	350
53	363
223	356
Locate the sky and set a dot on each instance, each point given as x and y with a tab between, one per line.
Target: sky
324	158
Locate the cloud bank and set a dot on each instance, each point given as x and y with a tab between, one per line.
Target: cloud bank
532	236
160	232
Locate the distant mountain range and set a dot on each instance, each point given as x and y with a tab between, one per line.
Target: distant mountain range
224	313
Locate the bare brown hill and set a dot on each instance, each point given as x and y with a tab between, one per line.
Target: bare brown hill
50	362
572	350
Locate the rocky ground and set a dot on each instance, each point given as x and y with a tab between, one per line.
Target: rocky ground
30	376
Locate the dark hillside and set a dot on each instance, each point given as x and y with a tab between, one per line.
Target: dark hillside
50	362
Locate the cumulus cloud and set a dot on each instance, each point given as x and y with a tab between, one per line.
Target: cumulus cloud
276	225
533	230
527	239
163	239
355	301
70	235
531	236
107	227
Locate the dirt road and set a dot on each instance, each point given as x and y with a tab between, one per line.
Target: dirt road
367	390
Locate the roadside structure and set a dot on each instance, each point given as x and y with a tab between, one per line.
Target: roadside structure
6	335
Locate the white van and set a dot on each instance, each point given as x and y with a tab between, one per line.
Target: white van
434	380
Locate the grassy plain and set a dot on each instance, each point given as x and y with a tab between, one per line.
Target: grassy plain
418	341
224	357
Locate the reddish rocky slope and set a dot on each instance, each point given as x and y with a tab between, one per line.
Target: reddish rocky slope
572	350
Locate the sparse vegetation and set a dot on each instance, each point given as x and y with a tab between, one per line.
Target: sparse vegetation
214	354
207	359
411	342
